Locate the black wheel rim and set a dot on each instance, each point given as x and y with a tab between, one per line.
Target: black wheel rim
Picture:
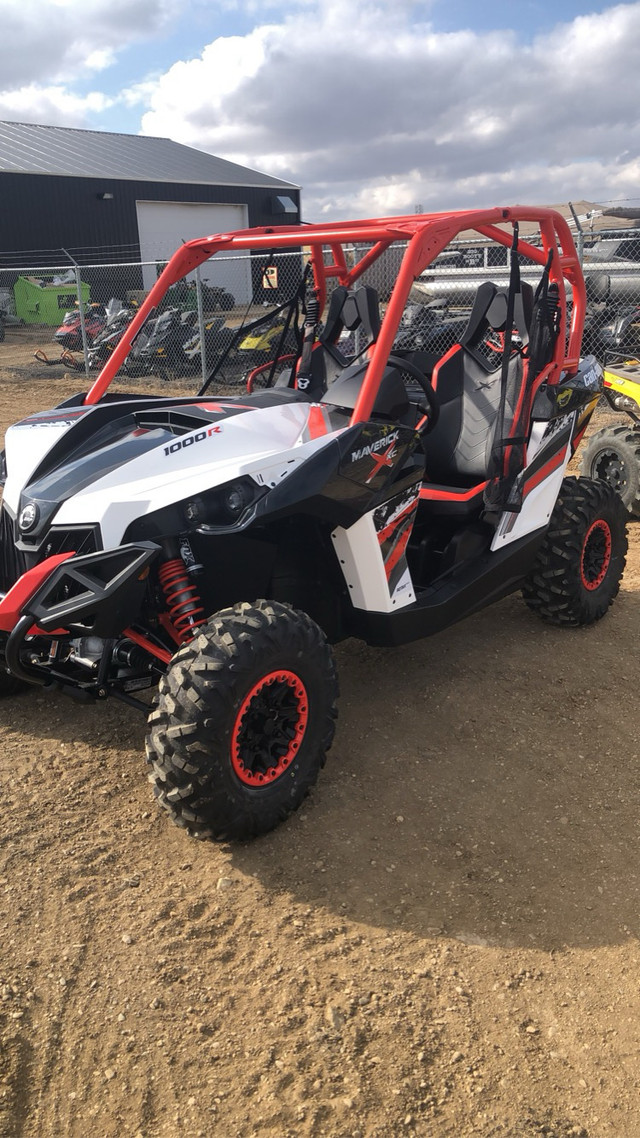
269	728
596	555
610	467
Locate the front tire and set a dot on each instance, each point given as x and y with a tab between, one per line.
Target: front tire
613	455
244	717
577	571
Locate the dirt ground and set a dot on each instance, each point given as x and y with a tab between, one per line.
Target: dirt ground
443	942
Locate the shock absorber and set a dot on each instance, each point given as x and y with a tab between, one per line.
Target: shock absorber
184	607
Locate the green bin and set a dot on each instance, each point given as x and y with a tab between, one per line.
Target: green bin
40	301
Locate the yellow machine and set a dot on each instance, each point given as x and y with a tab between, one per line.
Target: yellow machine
613	453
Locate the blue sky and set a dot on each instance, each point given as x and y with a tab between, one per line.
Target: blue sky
372	107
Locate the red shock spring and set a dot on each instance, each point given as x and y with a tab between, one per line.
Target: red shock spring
183	602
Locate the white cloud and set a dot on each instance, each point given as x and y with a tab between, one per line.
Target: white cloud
53	105
373	112
45	47
367	106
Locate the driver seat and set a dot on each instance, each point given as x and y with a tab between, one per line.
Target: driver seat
468	384
356	312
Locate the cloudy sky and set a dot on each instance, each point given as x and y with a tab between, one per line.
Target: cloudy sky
372	106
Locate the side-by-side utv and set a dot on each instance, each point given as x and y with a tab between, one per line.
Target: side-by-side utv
218	545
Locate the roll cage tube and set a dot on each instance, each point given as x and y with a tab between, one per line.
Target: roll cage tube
426	236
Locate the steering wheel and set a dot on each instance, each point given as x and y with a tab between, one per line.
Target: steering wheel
432	410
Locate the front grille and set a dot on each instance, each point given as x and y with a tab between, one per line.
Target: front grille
15	561
74	539
12	562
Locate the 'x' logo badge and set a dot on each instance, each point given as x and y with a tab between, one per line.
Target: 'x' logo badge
385	458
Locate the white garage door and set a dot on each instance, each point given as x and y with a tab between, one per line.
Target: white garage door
163	226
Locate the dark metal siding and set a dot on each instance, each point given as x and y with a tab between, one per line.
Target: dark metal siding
45	212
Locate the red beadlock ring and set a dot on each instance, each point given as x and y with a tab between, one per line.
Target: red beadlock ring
269	728
596	555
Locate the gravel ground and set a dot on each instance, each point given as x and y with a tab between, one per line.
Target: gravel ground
442	942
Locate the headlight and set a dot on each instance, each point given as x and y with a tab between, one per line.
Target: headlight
29	518
225	506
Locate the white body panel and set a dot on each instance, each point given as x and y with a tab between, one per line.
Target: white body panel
267	443
376	583
26	444
539	503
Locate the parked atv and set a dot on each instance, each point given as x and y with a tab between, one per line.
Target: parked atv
217	547
613	453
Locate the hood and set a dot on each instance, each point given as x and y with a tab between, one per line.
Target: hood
116	464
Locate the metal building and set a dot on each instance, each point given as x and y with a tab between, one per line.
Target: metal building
121	197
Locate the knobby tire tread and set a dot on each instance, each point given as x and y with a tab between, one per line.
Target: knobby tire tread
187	744
615	437
553	589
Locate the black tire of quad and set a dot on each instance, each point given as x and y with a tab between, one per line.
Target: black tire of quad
253	672
578	567
613	455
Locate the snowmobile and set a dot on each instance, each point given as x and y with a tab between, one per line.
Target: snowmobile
217	546
69	334
117	316
163	353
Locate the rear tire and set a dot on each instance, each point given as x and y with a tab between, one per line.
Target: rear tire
613	456
243	719
578	568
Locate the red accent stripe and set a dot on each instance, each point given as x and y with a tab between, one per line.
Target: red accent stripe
445	358
385	533
397	553
543	472
316	424
451	495
576	438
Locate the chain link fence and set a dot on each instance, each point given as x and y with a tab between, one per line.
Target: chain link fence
72	316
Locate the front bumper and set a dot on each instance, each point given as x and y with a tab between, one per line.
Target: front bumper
98	594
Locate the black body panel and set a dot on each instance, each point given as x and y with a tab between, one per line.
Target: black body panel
456	595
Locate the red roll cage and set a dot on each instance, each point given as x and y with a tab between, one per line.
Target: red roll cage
426	236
